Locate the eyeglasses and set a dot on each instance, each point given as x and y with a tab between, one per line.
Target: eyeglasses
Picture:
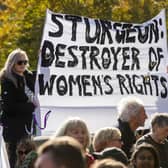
23	152
21	62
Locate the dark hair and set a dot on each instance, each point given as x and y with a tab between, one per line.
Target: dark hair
150	148
116	154
113	153
161	119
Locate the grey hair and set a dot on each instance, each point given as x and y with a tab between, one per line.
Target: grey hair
128	107
70	123
12	59
160	119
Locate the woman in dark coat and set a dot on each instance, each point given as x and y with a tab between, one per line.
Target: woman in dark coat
17	87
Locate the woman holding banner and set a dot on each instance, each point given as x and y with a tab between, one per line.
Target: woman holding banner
17	87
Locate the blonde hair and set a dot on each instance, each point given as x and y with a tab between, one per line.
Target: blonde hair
103	136
13	57
73	123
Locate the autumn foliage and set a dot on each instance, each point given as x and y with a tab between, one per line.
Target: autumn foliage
21	21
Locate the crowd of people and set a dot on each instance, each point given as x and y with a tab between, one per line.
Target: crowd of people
73	145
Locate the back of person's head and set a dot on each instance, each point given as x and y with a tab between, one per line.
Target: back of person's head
73	123
160	119
116	154
138	151
108	163
128	107
63	151
113	153
104	136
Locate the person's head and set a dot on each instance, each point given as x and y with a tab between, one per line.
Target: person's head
113	153
17	62
61	152
107	137
145	156
131	109
108	163
24	147
76	128
159	125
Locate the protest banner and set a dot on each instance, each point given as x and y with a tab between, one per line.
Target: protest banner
91	62
86	62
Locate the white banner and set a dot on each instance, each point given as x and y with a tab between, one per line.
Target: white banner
86	62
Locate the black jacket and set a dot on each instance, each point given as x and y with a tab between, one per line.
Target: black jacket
128	137
15	101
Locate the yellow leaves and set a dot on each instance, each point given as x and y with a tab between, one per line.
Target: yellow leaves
22	21
87	2
141	3
124	5
7	29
